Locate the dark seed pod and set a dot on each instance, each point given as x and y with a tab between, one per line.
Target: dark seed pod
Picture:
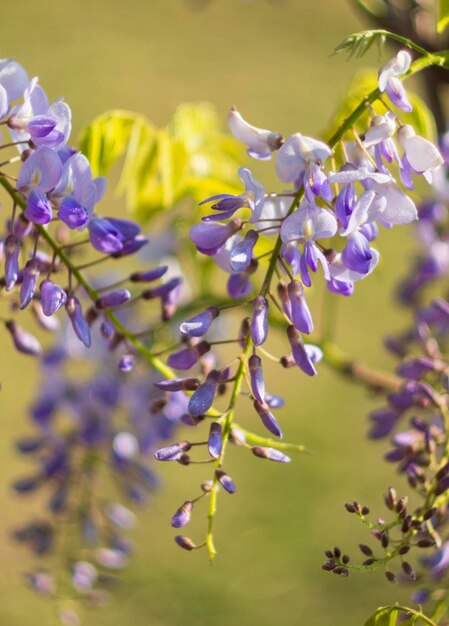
365	510
185	542
391	498
401	505
369	561
337	552
429	514
425	543
341	571
366	550
408	570
329	554
406	524
384	540
390	576
345	559
328	566
350	508
404	549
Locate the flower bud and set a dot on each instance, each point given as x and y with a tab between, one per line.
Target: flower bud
215	440
79	324
182	516
113	299
174	452
198	325
225	481
24	342
259	321
271	454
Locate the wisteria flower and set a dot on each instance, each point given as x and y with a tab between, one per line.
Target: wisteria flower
260	142
390	83
300	160
227	204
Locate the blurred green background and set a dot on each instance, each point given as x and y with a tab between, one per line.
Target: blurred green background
272	60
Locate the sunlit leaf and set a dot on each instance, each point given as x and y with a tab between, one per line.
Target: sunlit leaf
190	157
443	15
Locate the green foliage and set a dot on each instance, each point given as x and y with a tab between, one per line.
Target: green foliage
389	616
190	156
443	15
358	44
364	82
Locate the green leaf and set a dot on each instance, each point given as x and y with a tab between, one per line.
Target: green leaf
384	616
358	44
443	15
388	616
106	139
190	157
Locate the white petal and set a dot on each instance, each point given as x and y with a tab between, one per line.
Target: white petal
362	173
222	258
295	153
382	127
257	139
399	209
360	213
421	154
308	222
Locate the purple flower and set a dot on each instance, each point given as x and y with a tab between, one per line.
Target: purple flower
302	357
256	378
268	419
29	282
357	254
39	209
300	313
215	440
299	156
41	170
148	276
110	235
188	357
227	204
53	297
79	323
24	342
198	325
174	452
241	255
259	321
271	454
126	363
203	397
225	481
178	384
11	250
210	237
113	299
390	83
182	516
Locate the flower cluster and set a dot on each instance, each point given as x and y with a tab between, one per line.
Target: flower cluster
92	437
54	200
415	418
323	222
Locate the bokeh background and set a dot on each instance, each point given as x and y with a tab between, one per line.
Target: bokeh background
273	60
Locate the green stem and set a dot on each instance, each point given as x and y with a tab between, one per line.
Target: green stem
227	425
